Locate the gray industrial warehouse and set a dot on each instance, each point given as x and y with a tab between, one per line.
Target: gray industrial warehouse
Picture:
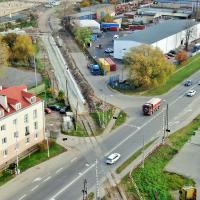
166	35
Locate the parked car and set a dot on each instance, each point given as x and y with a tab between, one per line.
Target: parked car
113	158
172	53
191	93
188	83
54	107
64	109
47	110
109	50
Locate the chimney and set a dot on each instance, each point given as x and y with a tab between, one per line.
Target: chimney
4	103
1	87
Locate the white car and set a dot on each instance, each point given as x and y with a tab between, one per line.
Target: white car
115	37
113	158
191	93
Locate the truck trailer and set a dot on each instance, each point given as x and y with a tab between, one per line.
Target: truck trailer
151	106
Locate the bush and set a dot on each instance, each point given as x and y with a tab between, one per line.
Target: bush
181	56
43	145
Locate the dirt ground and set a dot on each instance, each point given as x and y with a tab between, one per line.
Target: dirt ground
15	6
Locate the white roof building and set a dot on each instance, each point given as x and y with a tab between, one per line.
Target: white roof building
88	23
167	35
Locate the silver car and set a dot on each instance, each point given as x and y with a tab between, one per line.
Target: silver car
191	93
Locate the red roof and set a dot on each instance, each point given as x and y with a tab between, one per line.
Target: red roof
16	94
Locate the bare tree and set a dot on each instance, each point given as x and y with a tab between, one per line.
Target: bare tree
189	32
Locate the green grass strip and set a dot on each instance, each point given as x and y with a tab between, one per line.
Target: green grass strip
120	119
133	157
152	180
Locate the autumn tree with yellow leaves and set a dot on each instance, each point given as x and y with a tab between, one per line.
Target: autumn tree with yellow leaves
4	52
147	67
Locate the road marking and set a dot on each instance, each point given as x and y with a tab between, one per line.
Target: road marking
87	165
34	188
37	179
67	186
80	174
59	170
48	178
75	158
22	197
133	126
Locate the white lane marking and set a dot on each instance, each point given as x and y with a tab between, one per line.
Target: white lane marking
67	186
80	174
133	126
59	170
34	188
22	197
37	179
48	178
133	133
75	158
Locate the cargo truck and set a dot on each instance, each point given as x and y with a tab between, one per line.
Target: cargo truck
187	193
151	106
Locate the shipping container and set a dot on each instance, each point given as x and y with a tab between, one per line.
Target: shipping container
136	27
104	64
112	64
108	25
114	28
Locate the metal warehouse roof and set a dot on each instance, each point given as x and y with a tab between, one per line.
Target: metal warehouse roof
158	32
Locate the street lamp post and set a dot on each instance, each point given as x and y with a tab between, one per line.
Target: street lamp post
165	122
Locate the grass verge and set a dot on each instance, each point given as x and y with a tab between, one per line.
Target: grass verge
101	118
153	180
79	132
32	160
177	77
120	119
133	157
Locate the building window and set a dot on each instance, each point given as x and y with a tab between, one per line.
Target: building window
34	114
36	135
18	106
27	140
35	125
27	130
15	121
26	118
3	127
16	135
16	147
5	152
4	140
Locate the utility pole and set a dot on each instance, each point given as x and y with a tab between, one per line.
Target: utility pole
84	191
163	138
35	74
97	182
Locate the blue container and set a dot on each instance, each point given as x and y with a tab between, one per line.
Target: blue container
109	25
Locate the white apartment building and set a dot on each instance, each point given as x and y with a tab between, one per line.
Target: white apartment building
22	122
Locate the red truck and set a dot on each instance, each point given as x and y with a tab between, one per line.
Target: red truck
151	106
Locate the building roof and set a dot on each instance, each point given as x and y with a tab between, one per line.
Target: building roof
158	32
16	94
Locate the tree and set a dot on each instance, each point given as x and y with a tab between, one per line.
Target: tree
10	39
181	56
147	66
83	35
23	49
4	53
107	18
61	96
85	3
189	32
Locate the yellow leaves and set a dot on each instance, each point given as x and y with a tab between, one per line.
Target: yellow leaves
147	66
4	53
23	48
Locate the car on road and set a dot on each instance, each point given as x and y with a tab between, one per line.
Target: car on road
191	93
54	107
109	50
115	37
188	83
47	110
113	158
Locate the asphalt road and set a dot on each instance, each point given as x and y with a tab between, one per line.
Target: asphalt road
127	139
